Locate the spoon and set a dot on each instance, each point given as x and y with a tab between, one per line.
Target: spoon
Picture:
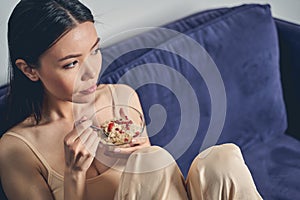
95	128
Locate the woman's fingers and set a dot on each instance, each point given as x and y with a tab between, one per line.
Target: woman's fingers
80	145
80	156
94	146
128	150
79	128
87	143
83	126
68	159
82	119
91	140
86	134
139	141
71	151
82	161
136	143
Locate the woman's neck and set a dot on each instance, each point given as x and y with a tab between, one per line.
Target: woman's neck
55	109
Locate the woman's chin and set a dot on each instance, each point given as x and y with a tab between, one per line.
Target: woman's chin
82	99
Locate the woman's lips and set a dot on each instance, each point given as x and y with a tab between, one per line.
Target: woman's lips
89	90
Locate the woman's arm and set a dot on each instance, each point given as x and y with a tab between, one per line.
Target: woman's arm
20	173
80	146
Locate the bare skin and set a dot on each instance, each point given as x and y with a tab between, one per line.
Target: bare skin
63	135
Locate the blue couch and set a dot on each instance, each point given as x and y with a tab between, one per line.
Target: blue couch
222	75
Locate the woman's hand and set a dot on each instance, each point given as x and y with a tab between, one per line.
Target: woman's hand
80	146
135	144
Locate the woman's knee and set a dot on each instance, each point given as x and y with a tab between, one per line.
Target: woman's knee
229	151
222	152
149	159
223	167
218	159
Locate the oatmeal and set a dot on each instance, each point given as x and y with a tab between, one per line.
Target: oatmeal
119	131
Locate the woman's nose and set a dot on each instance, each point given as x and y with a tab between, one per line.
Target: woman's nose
88	71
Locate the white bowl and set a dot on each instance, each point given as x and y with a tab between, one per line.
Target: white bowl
118	124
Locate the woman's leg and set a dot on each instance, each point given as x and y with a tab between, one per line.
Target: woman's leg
220	172
151	173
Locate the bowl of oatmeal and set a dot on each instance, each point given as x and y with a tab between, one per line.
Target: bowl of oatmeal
118	124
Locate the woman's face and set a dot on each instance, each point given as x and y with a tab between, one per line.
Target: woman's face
69	69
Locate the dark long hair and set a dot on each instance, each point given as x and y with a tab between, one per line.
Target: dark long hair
33	27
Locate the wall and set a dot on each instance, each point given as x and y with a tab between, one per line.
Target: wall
116	16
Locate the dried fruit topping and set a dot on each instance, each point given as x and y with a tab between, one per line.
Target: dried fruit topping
120	131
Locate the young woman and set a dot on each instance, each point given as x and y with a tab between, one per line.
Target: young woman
49	150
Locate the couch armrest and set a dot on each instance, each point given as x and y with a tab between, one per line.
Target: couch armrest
289	44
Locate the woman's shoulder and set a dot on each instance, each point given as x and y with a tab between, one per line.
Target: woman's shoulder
18	162
118	92
125	95
8	144
123	87
14	141
13	151
23	129
122	90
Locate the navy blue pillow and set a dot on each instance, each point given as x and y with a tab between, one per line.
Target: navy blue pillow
242	41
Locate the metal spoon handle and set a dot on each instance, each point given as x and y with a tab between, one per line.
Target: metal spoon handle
95	128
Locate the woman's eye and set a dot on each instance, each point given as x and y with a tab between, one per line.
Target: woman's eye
71	65
96	51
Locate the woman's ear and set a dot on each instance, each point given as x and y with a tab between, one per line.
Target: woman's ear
31	73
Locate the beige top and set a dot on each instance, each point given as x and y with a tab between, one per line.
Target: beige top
102	186
99	187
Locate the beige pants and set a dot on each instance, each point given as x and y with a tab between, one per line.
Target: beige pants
219	172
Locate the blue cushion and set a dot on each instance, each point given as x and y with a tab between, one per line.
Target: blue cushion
275	167
242	41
